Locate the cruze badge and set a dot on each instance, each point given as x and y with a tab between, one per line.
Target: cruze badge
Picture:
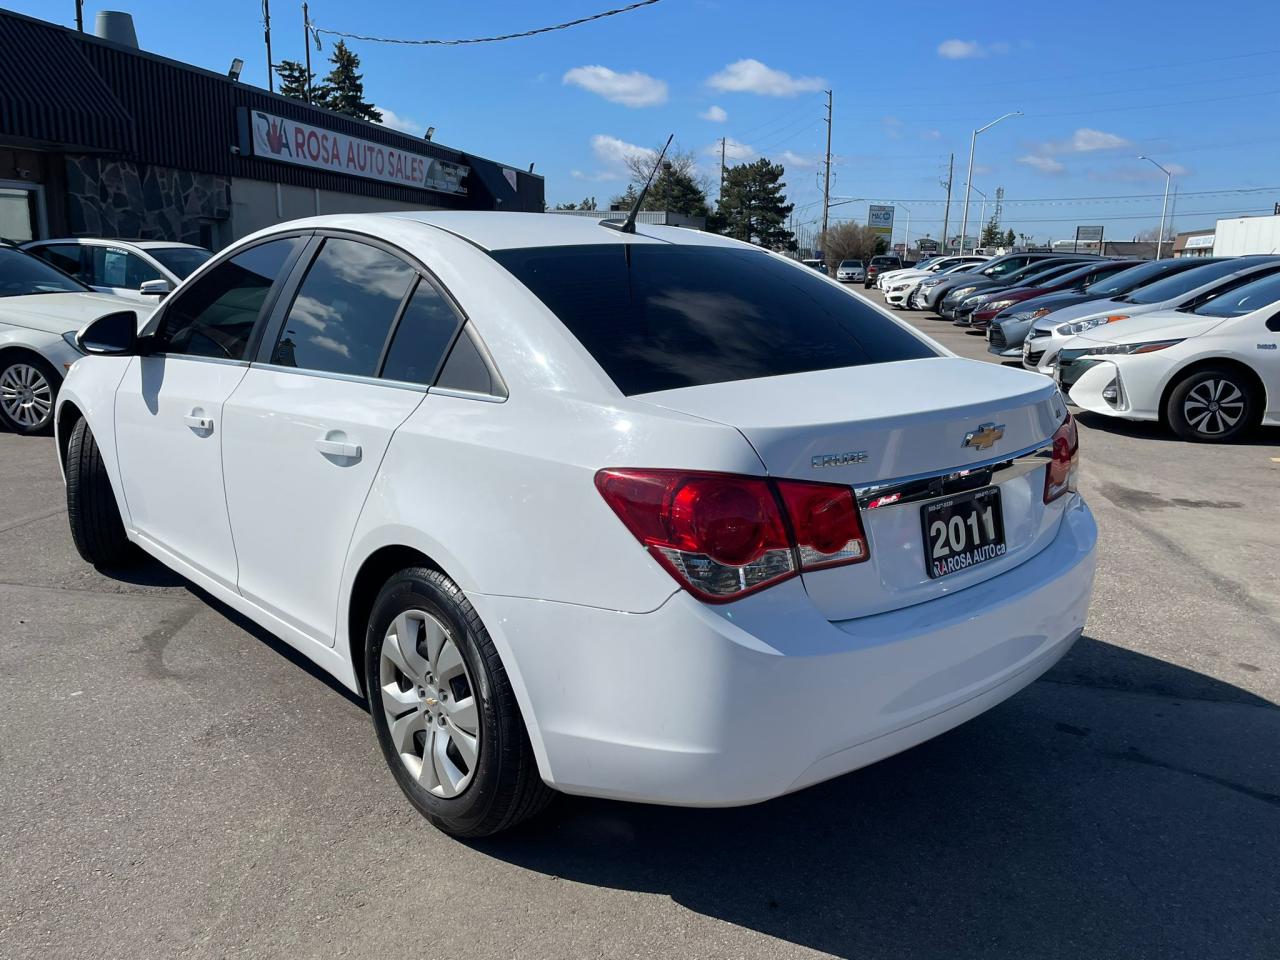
985	436
840	459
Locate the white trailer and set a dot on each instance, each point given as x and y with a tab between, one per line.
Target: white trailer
1241	235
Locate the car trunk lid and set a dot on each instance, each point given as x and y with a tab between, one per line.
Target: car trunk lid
876	425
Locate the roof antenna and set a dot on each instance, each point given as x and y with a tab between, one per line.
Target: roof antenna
629	225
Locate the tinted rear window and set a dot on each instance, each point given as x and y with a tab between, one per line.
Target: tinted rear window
661	316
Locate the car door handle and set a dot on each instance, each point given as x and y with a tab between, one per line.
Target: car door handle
196	420
339	448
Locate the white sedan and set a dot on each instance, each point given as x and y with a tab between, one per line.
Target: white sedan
41	308
1180	290
586	509
924	268
1210	373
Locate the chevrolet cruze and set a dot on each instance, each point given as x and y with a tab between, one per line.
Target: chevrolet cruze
648	514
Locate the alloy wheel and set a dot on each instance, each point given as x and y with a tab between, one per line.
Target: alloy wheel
429	701
1212	407
25	395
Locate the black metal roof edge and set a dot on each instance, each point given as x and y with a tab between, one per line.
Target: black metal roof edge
322	112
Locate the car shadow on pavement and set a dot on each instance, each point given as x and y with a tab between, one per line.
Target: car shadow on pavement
1259	436
1074	821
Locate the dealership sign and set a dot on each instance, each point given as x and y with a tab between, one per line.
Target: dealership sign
880	219
278	138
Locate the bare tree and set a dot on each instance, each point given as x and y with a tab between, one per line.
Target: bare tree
848	241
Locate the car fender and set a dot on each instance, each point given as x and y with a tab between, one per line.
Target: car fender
90	387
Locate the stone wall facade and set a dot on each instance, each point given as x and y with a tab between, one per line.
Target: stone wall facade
129	201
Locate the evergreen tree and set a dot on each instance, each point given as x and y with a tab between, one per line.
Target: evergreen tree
294	79
343	89
627	199
1010	239
677	191
753	207
991	235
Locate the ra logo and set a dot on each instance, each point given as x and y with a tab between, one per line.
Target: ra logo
276	139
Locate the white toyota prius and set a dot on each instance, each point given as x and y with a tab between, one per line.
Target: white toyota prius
642	513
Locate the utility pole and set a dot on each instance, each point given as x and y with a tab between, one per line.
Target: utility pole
946	216
826	179
266	31
306	27
722	142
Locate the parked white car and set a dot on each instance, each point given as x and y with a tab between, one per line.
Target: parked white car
926	267
1180	291
1210	373
851	270
897	293
40	311
143	270
587	509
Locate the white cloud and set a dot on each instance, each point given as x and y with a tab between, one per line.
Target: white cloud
629	89
931	135
392	119
789	158
969	49
1085	140
1140	172
614	153
1043	164
715	114
752	76
600	176
892	128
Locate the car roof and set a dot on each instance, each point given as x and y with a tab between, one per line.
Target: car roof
492	230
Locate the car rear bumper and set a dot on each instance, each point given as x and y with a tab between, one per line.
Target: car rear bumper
703	705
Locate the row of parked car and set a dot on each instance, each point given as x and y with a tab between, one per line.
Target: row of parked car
1193	343
50	288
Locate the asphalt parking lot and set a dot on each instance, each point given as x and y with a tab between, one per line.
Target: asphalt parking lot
174	782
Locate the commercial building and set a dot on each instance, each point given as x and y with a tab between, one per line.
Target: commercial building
1194	243
99	138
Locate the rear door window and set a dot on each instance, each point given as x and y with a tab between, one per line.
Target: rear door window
662	316
422	336
340	319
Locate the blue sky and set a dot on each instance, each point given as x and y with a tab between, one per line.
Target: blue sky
1099	83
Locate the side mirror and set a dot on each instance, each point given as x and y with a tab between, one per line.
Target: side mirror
155	288
113	335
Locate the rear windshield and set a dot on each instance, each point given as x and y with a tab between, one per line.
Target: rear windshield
661	316
1184	282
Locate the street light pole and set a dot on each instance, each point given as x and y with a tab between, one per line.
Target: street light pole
1168	178
982	217
973	142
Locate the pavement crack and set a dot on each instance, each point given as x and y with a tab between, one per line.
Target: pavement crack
24	521
1134	755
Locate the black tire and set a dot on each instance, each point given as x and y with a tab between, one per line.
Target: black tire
1202	406
92	510
505	787
20	358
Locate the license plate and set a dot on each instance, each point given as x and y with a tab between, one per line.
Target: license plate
962	531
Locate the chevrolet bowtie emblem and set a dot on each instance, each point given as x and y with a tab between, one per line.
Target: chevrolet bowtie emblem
430	701
985	436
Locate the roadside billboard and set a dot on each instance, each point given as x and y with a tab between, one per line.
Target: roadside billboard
880	219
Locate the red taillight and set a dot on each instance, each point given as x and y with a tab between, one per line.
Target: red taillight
723	536
825	520
1060	477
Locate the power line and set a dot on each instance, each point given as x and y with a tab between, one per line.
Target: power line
508	36
1099	199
